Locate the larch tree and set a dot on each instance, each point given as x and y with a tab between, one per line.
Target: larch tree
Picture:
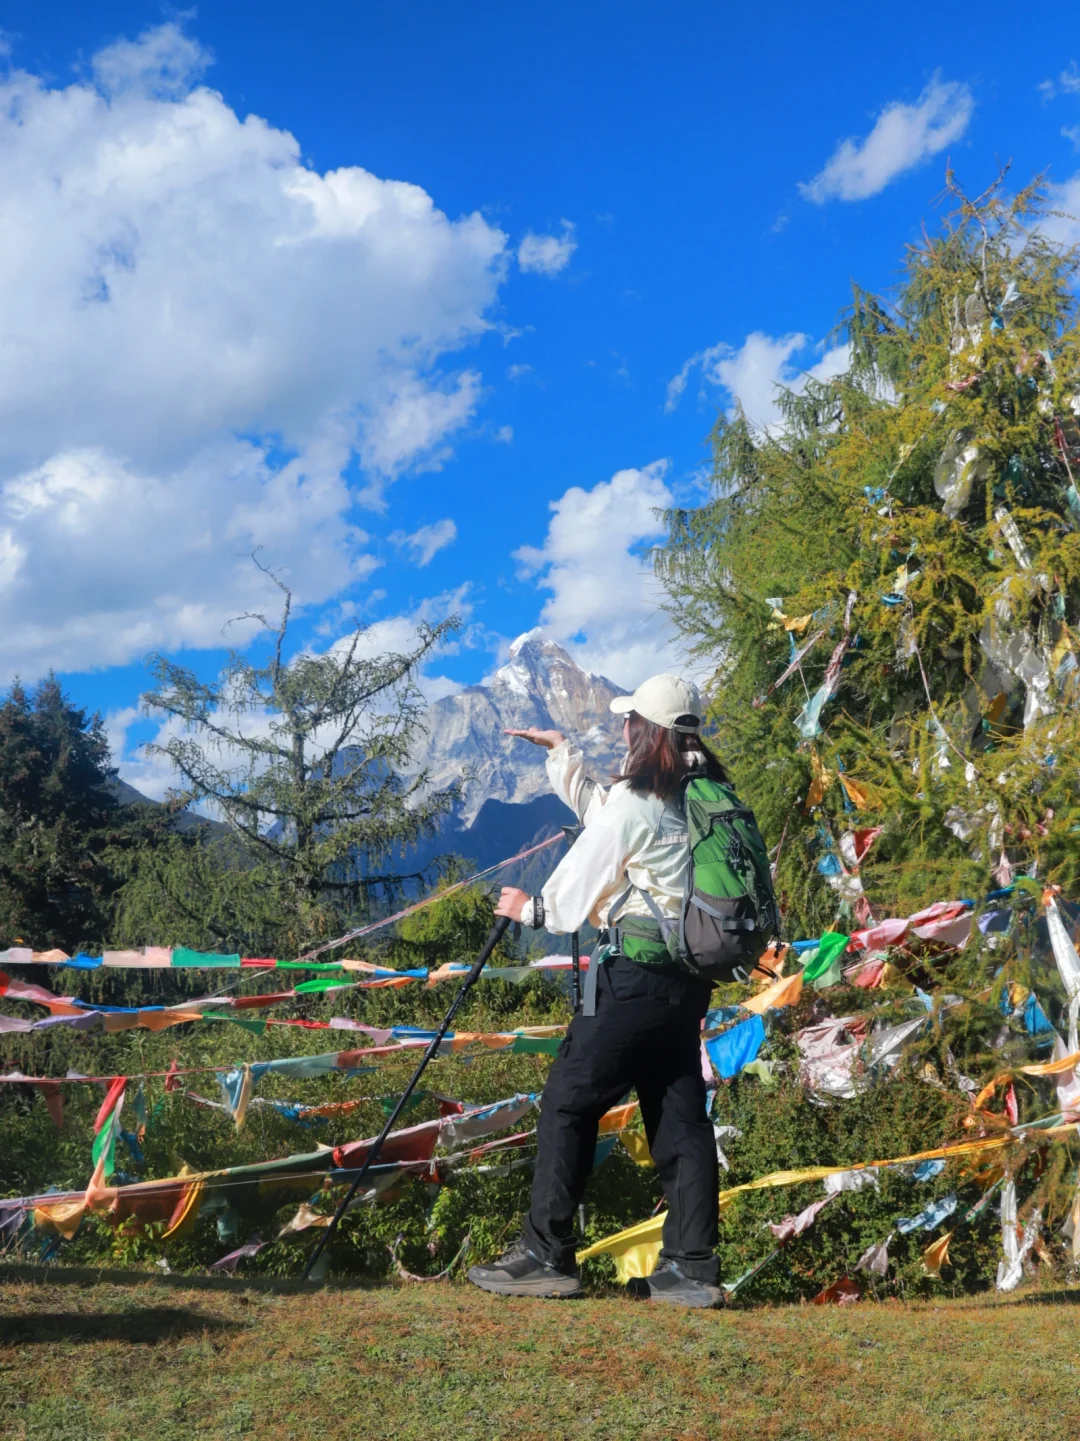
888	585
304	759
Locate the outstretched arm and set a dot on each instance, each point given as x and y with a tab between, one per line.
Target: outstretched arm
566	772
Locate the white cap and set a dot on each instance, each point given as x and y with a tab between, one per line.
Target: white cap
663	699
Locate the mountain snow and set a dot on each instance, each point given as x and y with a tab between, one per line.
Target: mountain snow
540	685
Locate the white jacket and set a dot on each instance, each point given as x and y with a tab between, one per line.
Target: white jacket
627	838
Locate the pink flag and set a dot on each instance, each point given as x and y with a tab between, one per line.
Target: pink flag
792	1226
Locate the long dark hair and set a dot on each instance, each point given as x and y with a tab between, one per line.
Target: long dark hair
658	762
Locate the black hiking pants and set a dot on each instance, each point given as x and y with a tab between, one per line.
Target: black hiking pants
646	1034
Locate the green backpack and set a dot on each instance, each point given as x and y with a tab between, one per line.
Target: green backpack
730	912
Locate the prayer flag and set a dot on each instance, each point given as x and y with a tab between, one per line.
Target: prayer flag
875	1259
840	1293
107	1127
937	1254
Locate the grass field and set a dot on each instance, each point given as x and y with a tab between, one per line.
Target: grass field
95	1361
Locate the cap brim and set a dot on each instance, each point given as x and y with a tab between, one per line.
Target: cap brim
622	704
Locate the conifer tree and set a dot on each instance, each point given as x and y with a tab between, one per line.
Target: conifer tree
63	834
910	534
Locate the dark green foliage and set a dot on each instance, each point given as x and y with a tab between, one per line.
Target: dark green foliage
200	889
63	836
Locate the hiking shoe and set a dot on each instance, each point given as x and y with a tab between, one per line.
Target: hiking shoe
667	1283
518	1272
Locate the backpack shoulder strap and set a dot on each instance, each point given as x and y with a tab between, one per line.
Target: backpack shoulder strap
622	899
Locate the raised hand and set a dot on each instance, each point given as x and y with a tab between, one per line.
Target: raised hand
548	739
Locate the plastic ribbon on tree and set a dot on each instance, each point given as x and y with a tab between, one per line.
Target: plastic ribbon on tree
808	721
929	1217
792	1226
737	1047
958	467
875	1259
1011	1267
1068	963
821	966
784	992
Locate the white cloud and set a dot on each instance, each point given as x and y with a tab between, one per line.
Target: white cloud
201	342
1068	82
162	61
547	254
1061	226
427	541
903	137
604	603
752	374
411	424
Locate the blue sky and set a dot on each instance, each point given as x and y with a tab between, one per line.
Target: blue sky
447	346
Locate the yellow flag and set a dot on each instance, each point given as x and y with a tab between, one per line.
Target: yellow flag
784	992
61	1219
652	1229
182	1221
936	1255
638	1146
1053	1068
631	1248
857	793
618	1118
821	779
639	1260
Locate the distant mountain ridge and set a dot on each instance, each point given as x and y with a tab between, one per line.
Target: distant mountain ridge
127	795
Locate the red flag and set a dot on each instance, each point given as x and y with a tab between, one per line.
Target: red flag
112	1095
839	1293
1011	1109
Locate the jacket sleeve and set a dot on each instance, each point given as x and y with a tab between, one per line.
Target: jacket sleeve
566	774
591	873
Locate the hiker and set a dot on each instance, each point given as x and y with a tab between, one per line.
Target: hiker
640	1022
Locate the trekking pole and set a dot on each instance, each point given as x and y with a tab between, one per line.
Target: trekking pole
498	930
571	833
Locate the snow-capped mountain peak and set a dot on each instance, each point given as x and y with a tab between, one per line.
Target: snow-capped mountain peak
540	685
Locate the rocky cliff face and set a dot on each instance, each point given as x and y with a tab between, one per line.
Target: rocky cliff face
540	685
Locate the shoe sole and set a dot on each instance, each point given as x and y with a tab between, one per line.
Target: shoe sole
555	1289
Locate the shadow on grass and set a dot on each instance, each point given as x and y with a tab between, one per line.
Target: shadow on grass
140	1327
1066	1296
